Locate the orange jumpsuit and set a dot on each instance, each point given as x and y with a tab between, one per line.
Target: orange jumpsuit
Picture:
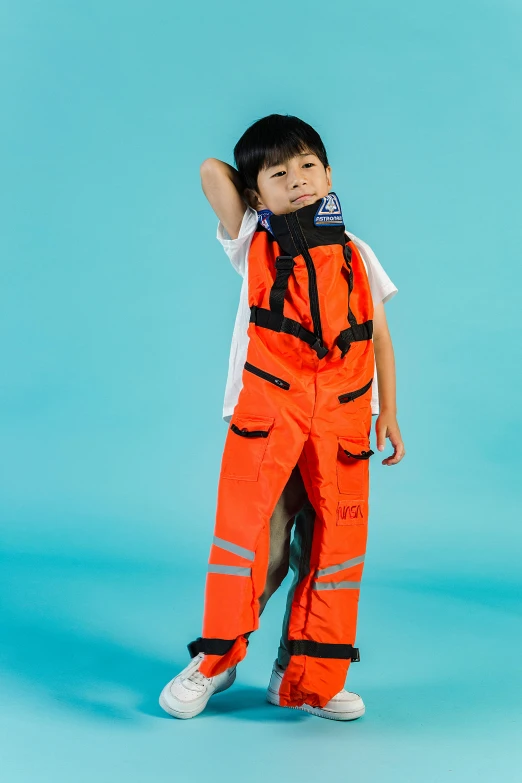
306	401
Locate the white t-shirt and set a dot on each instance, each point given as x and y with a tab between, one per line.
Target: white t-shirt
237	250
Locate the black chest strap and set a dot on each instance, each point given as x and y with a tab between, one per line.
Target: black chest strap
277	322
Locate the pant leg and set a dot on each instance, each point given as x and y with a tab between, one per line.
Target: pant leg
255	470
324	604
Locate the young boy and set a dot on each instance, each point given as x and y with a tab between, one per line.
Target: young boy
309	340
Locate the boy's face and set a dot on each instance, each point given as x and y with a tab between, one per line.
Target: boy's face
293	184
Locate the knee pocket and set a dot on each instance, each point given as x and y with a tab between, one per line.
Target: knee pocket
353	453
245	446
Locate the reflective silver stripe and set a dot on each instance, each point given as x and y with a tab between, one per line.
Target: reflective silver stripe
347	564
232	570
336	585
234	548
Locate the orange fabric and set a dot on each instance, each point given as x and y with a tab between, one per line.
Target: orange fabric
305	424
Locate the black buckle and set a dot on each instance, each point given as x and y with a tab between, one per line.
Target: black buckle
285	263
355	654
320	349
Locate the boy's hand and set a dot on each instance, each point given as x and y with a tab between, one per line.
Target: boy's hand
386	427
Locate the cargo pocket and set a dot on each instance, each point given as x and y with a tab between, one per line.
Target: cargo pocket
245	447
352	466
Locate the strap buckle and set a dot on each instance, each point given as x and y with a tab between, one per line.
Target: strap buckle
286	263
320	349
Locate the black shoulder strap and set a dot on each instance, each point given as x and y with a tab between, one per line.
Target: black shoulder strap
356	331
284	266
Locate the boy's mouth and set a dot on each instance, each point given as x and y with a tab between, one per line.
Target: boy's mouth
302	198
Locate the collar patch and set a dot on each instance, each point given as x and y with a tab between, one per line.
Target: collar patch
263	217
329	212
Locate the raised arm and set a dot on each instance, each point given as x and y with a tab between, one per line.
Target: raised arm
224	189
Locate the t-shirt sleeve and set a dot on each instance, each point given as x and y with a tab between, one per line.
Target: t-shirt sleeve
381	286
237	249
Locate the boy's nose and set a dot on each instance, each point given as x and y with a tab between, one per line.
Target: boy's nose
298	180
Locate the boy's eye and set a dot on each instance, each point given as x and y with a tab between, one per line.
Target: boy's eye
283	172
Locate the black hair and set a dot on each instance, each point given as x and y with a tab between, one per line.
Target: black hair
270	141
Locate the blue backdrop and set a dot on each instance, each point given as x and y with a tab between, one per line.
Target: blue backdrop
113	377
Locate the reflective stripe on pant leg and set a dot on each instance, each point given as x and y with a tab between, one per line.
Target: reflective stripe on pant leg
345	585
216	568
229	546
340	566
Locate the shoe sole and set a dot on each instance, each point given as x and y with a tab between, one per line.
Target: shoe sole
192	713
273	698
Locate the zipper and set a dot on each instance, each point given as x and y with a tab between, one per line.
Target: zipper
267	376
300	244
350	396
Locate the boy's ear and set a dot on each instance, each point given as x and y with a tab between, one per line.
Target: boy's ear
329	177
252	198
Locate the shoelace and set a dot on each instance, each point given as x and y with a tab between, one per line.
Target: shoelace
196	676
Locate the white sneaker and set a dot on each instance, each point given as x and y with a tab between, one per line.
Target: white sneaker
187	694
343	706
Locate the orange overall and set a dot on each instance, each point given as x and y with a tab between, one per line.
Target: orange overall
306	401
